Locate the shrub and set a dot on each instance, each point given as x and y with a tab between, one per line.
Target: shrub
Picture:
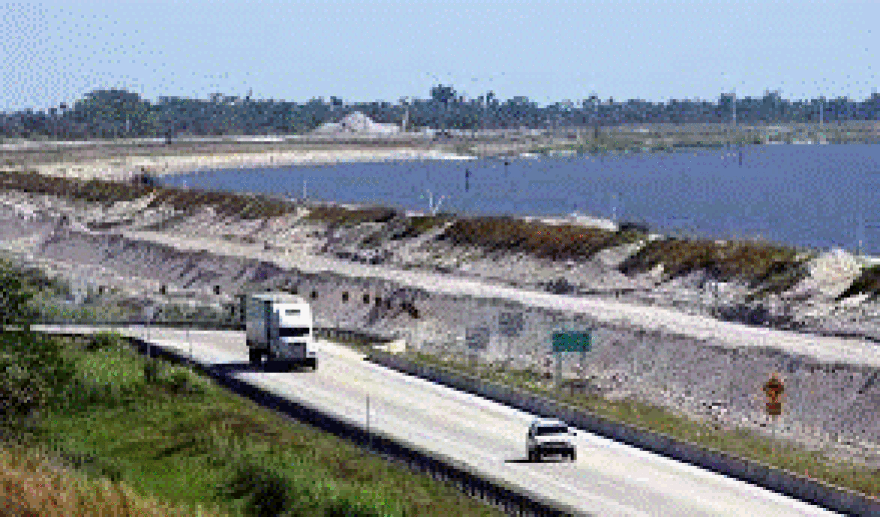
14	297
104	340
180	381
91	464
633	226
33	373
265	491
34	485
151	371
349	508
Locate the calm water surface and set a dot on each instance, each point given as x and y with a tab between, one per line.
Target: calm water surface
802	195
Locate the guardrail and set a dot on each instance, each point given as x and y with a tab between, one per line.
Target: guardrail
196	324
788	483
324	332
513	500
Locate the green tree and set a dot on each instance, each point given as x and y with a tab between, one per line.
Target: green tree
33	374
115	112
15	297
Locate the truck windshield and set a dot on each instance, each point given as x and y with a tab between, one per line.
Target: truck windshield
543	431
293	331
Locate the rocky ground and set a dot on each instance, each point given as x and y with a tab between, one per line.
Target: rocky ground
809	306
137	249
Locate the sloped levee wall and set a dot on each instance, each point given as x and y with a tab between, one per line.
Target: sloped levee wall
823	403
788	483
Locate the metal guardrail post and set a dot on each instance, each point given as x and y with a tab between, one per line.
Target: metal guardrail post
369	434
189	342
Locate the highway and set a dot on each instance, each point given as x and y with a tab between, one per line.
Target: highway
608	478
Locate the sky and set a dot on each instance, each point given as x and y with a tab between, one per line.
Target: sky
56	51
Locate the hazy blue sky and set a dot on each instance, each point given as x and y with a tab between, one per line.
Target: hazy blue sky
57	51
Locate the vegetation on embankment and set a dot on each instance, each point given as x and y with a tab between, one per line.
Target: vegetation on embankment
556	242
229	204
739	442
767	267
335	215
32	484
225	451
760	264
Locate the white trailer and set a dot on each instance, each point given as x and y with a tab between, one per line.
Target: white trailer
279	329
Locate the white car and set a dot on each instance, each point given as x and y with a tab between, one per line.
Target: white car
550	438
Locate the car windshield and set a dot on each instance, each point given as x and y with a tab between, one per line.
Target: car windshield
556	429
293	331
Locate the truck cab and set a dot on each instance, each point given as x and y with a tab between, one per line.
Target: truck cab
280	330
549	437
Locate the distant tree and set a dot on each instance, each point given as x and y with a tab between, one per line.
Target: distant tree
108	112
443	94
114	111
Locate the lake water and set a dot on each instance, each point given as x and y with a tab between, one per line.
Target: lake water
819	196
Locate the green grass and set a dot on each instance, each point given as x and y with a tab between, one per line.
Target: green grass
421	224
31	485
341	216
736	441
244	206
557	242
186	441
760	264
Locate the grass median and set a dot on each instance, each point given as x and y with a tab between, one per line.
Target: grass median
172	434
739	442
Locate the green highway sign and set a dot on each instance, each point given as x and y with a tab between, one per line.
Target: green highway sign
572	341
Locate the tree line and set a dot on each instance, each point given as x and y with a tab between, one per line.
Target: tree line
109	113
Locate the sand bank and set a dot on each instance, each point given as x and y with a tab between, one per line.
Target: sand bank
124	167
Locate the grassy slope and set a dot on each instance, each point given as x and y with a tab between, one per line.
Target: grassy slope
31	485
181	438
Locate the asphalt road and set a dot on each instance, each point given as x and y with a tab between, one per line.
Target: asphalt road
607	479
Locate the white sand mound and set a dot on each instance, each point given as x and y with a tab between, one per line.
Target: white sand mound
357	123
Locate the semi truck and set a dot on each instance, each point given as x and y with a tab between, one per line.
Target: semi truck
279	330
